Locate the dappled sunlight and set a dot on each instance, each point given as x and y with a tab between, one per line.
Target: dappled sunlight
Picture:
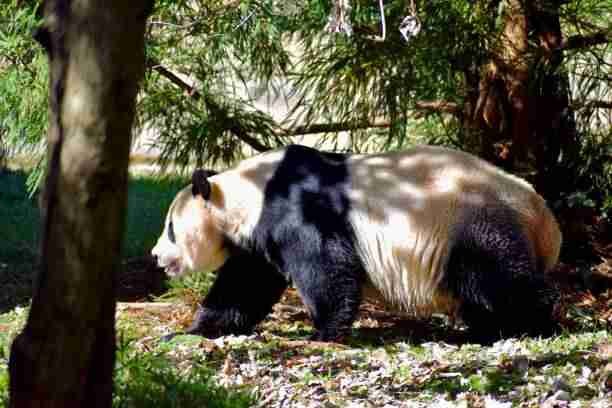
404	207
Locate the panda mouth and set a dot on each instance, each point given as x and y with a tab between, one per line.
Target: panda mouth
173	268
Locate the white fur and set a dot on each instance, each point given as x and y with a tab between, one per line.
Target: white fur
238	194
198	247
403	208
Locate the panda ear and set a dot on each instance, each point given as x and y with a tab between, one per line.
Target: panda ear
200	184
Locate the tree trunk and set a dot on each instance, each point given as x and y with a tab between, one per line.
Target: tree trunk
521	105
554	127
64	357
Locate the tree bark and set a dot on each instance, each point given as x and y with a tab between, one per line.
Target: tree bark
521	105
64	357
554	132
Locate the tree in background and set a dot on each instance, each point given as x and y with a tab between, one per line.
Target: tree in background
64	357
494	74
23	82
526	84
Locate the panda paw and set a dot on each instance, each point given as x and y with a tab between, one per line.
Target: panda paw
329	336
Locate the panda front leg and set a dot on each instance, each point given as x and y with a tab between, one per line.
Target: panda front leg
246	288
332	295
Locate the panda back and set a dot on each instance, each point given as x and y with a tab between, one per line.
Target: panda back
394	212
406	207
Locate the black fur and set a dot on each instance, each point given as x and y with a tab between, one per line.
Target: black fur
304	231
200	184
492	269
171	235
246	288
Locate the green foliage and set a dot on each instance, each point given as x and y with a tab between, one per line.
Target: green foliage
593	173
151	379
148	202
23	82
4	386
209	61
360	78
10	324
192	287
242	47
23	112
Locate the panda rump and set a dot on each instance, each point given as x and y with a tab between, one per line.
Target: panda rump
427	230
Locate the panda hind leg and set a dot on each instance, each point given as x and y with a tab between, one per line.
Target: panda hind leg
332	295
492	270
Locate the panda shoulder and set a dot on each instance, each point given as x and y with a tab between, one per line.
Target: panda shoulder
251	173
261	160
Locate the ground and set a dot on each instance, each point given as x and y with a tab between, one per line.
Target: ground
390	362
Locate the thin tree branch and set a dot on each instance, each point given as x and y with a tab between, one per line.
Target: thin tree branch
248	139
176	80
592	104
331	128
176	26
584	41
432	106
195	94
439	107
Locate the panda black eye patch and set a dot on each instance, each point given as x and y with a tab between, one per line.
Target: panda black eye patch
171	235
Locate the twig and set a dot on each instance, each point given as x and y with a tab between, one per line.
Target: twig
439	106
144	306
244	20
383	21
592	104
331	128
177	26
584	41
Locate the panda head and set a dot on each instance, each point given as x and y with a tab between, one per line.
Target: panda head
191	240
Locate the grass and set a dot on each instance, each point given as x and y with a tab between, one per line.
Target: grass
148	201
19	217
19	223
151	379
143	379
10	324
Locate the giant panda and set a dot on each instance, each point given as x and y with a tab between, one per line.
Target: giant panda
426	230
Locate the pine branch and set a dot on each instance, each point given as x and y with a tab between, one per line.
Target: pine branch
576	42
439	107
592	104
331	128
254	143
192	92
